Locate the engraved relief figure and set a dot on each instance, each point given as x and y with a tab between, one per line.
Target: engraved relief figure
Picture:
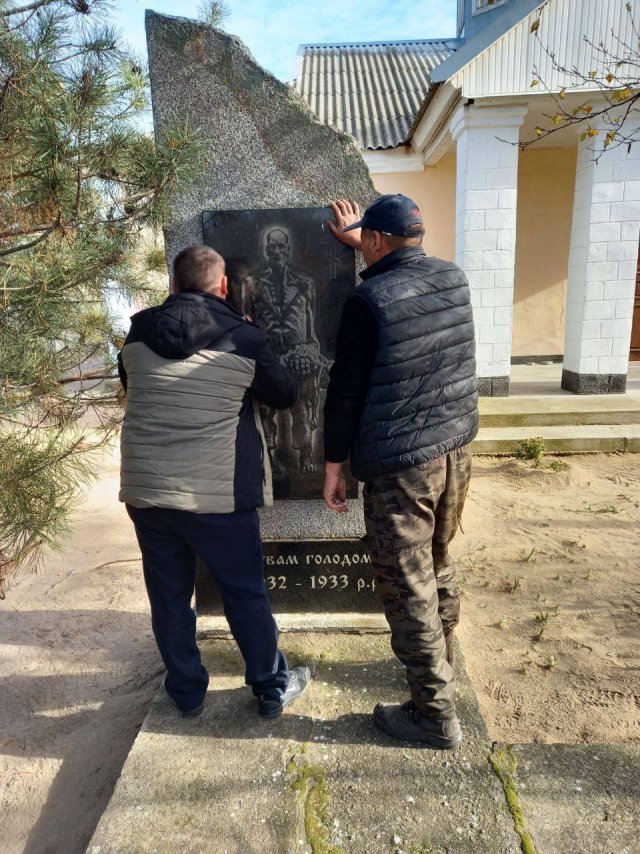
282	300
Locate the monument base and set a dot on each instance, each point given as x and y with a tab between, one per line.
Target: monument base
347	623
315	562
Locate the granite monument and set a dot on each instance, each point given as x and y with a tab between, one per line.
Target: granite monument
269	164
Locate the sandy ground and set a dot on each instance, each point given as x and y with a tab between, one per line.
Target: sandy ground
79	667
557	552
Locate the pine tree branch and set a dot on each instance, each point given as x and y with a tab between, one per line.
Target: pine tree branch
13	249
23	232
70	150
87	378
28	173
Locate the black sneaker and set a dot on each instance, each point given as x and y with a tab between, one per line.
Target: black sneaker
190	713
406	723
299	678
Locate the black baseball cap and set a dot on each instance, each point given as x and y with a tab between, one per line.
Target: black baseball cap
392	214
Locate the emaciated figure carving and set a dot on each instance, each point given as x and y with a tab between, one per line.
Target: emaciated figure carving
282	301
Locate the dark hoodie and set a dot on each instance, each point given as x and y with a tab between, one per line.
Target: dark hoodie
191	438
192	320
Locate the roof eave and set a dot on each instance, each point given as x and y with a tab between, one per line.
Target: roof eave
509	18
434	118
303	47
423	109
386	147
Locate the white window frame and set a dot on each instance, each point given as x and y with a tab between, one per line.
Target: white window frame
487	6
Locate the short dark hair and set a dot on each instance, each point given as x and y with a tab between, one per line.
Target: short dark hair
197	268
396	241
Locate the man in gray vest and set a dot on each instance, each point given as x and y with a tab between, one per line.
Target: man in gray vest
402	406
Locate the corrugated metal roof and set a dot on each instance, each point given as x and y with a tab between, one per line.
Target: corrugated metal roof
373	90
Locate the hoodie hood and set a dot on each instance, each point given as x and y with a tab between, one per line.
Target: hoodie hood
184	324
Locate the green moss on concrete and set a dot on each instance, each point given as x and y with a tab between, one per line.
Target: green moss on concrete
310	783
503	762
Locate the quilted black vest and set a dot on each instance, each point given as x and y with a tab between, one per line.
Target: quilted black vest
422	400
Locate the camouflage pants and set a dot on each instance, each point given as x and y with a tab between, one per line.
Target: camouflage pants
411	518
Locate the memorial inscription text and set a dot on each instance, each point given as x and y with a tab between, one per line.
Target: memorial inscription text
308	576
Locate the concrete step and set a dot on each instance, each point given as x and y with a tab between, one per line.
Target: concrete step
319	779
559	411
322	779
576	797
583	439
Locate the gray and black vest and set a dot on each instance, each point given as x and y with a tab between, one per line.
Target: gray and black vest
194	371
422	400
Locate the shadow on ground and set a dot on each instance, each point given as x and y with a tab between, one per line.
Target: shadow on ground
103	673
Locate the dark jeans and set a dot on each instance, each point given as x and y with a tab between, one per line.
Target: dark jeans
230	545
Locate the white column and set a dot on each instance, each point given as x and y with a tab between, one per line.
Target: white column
602	267
486	197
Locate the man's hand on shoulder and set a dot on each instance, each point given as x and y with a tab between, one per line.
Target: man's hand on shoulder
335	488
346	213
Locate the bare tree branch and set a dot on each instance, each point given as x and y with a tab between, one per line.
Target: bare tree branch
22	246
31	7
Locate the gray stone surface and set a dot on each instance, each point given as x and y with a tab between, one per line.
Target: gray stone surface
226	782
303	520
587	439
264	148
493	386
580	798
594	383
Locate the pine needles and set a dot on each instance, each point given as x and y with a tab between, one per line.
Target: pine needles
80	182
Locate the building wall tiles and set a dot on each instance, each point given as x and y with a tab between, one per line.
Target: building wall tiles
487	163
603	261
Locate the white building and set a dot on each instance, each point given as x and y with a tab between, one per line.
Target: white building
547	235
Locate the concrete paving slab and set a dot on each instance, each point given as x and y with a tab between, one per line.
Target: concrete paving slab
320	779
349	622
545	379
580	798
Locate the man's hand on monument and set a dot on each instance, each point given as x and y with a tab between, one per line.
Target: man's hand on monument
346	213
335	488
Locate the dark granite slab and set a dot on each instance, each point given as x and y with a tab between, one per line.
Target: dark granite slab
291	276
305	577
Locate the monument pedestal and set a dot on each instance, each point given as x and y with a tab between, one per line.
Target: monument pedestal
315	562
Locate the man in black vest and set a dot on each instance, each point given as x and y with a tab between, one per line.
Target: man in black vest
402	405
